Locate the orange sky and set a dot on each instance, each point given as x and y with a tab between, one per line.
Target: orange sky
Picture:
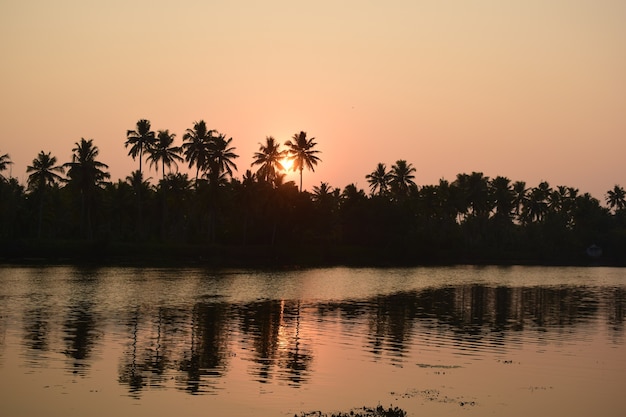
533	90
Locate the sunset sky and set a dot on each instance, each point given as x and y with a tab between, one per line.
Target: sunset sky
532	90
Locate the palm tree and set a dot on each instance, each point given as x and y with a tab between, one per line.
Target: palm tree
164	151
536	206
43	171
302	152
322	193
503	196
221	156
196	146
43	174
616	198
87	175
379	180
269	157
520	197
474	189
140	140
402	178
5	161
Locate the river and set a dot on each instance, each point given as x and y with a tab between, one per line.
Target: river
434	341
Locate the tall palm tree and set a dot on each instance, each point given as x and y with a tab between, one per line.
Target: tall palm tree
164	152
402	178
87	175
269	157
43	173
616	198
5	161
196	142
140	140
221	156
302	152
379	179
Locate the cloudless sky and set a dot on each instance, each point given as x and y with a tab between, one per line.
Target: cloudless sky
533	90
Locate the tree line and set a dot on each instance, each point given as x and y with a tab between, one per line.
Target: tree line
261	218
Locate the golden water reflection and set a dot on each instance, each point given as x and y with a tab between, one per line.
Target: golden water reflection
425	348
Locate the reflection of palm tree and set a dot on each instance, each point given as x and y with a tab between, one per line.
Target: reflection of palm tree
616	198
5	161
140	140
379	179
164	152
302	152
402	177
87	175
196	146
269	158
43	174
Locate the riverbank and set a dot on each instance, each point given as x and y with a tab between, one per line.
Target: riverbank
294	256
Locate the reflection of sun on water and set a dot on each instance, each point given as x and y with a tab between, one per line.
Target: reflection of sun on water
287	163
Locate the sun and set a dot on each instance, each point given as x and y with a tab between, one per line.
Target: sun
287	163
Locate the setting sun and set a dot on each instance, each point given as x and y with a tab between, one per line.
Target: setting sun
287	163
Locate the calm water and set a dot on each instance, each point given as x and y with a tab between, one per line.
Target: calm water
465	341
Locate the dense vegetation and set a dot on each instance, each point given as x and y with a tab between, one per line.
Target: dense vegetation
73	210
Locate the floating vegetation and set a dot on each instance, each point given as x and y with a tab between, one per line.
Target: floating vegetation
378	411
426	365
436	396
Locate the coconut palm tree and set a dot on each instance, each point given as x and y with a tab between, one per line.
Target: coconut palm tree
302	152
43	173
86	175
536	206
402	178
520	198
5	161
269	158
379	180
196	142
616	198
140	140
503	197
221	155
164	152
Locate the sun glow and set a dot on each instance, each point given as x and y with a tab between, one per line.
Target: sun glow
287	163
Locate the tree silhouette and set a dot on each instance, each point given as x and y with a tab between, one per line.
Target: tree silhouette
5	161
163	151
269	157
196	143
379	180
140	140
616	198
536	206
402	178
302	152
43	173
221	156
86	174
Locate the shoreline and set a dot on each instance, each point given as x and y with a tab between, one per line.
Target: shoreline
155	254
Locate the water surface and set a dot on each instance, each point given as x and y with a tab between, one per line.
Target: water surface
468	341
